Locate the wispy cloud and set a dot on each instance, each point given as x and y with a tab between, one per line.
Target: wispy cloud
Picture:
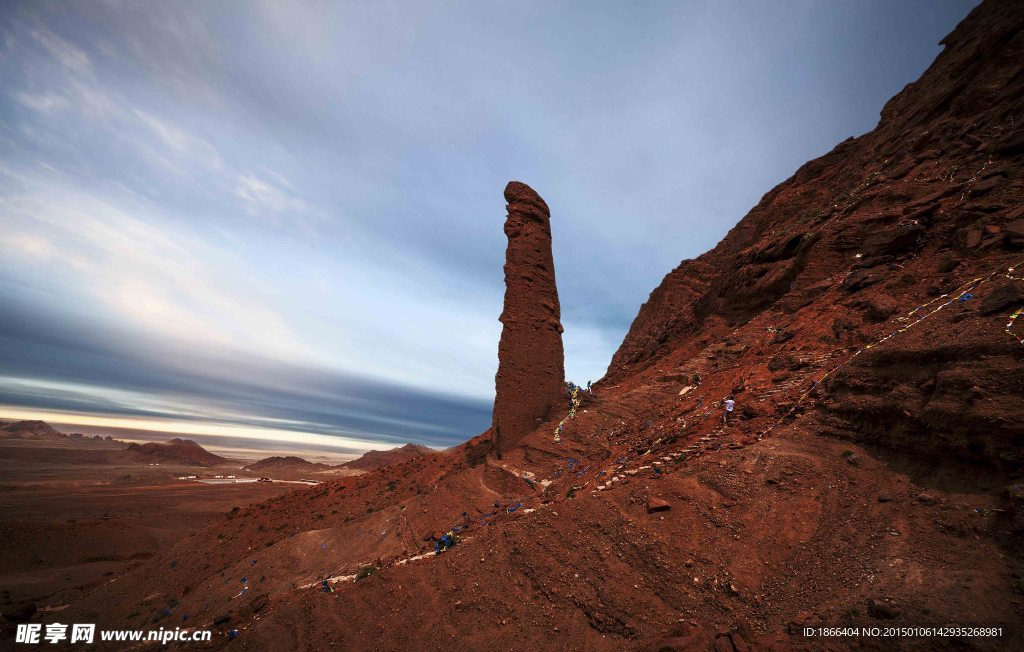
181	142
45	103
262	198
66	53
144	271
27	244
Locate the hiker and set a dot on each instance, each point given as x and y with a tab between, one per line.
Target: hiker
729	405
589	391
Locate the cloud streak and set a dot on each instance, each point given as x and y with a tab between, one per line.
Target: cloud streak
79	374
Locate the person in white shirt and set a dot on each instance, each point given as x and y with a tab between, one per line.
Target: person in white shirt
730	404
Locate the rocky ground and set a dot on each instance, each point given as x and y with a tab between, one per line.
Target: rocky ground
871	476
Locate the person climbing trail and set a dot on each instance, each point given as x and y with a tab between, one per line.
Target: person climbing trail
589	390
730	404
574	398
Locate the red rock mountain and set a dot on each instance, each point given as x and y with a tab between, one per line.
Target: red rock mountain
871	475
35	430
373	460
369	461
176	451
286	464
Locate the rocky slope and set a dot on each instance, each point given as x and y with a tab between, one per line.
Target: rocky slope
840	254
872	475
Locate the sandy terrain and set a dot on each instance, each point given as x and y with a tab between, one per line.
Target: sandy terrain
71	522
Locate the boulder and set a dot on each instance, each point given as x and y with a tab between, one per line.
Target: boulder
803	619
881	306
924	213
983	207
1002	296
785	361
754	410
973	394
928	155
1015	234
857	282
724	644
1010	143
947	264
892	241
903	169
786	335
967	238
882	609
655	504
739	643
936	196
984	186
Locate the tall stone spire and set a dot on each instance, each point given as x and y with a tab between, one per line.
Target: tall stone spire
531	362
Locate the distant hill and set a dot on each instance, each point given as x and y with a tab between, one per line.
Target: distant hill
34	430
182	451
370	461
373	460
290	464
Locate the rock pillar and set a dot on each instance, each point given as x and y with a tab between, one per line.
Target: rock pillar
531	362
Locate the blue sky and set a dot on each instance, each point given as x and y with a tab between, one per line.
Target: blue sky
282	221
